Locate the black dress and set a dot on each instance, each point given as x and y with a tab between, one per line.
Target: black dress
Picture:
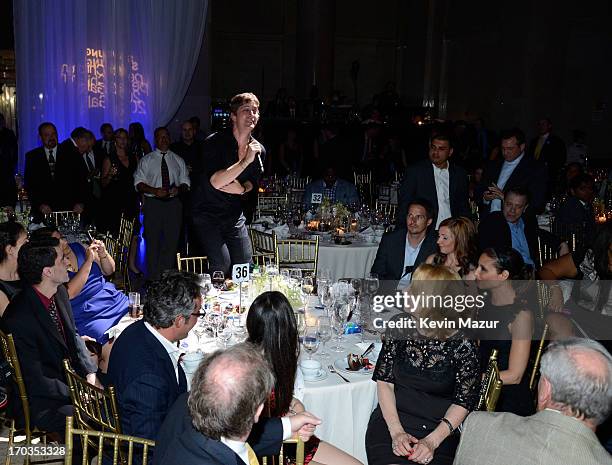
514	398
11	288
428	376
120	195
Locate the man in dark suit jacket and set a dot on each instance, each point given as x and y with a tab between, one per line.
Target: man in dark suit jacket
404	249
515	169
511	227
576	213
103	147
549	149
41	322
443	184
144	363
42	166
219	423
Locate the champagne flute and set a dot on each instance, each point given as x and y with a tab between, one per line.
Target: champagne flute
310	341
324	332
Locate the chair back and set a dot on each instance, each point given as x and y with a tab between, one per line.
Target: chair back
491	385
363	183
10	355
298	253
545	252
535	372
299	453
95	409
264	247
58	218
294	182
543	297
126	450
386	208
197	265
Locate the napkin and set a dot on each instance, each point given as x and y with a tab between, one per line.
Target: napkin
364	345
264	219
282	231
368	231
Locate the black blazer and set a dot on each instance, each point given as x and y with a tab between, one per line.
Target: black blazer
41	349
419	182
494	231
179	442
41	186
389	261
529	174
553	154
145	381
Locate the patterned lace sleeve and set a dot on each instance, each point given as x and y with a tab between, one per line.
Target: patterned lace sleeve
466	365
386	359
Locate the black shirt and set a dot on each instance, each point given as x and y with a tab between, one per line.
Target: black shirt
220	151
192	154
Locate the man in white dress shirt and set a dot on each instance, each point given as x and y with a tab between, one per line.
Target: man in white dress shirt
161	175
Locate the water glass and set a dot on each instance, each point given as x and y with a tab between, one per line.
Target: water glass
324	332
134	304
205	284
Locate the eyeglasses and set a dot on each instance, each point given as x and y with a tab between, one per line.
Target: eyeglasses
198	314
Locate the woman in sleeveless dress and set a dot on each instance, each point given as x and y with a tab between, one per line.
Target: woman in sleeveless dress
12	237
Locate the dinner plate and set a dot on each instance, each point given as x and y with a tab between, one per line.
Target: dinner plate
324	374
342	365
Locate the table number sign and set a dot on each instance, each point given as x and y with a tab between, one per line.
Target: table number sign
316	198
240	273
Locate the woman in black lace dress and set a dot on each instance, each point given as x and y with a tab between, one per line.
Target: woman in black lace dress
502	272
428	380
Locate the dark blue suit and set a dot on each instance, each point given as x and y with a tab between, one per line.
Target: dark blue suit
145	381
179	442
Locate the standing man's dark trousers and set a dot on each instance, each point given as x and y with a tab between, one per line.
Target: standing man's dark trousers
162	226
224	242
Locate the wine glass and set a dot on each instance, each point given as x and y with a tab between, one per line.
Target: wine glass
224	336
199	330
324	332
205	284
218	279
357	285
310	341
372	283
327	298
338	319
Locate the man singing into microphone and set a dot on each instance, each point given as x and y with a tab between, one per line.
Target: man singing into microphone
232	165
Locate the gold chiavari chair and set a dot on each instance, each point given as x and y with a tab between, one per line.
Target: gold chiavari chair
536	364
10	355
124	242
386	208
264	247
545	252
197	265
126	450
491	385
363	183
295	197
299	452
268	204
59	217
543	295
297	183
298	253
95	409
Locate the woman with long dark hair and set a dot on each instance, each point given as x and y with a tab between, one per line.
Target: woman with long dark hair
12	237
271	325
457	246
503	273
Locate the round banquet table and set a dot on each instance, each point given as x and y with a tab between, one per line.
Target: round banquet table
347	261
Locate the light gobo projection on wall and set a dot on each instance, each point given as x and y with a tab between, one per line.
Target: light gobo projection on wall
102	79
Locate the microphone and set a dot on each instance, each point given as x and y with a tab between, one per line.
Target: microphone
258	155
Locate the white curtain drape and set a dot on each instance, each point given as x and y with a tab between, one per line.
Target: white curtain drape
85	62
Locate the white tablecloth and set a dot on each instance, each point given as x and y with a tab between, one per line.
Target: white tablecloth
347	261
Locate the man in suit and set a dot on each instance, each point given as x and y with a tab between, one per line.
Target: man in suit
331	187
41	322
144	362
103	147
443	184
574	397
549	149
401	251
74	176
516	169
511	227
219	422
576	213
40	172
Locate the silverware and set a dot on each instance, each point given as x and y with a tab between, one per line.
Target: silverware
333	370
368	350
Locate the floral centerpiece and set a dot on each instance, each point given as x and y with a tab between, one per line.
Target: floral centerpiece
330	216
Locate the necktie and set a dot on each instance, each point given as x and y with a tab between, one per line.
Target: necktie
165	173
538	149
51	162
56	319
251	454
90	165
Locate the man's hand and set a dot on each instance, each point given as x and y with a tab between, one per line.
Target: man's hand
173	191
233	187
251	150
493	193
78	208
304	424
45	209
161	193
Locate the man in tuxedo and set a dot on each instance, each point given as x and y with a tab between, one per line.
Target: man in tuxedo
516	169
103	147
574	398
511	227
549	149
442	183
41	164
401	251
144	362
219	422
41	322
